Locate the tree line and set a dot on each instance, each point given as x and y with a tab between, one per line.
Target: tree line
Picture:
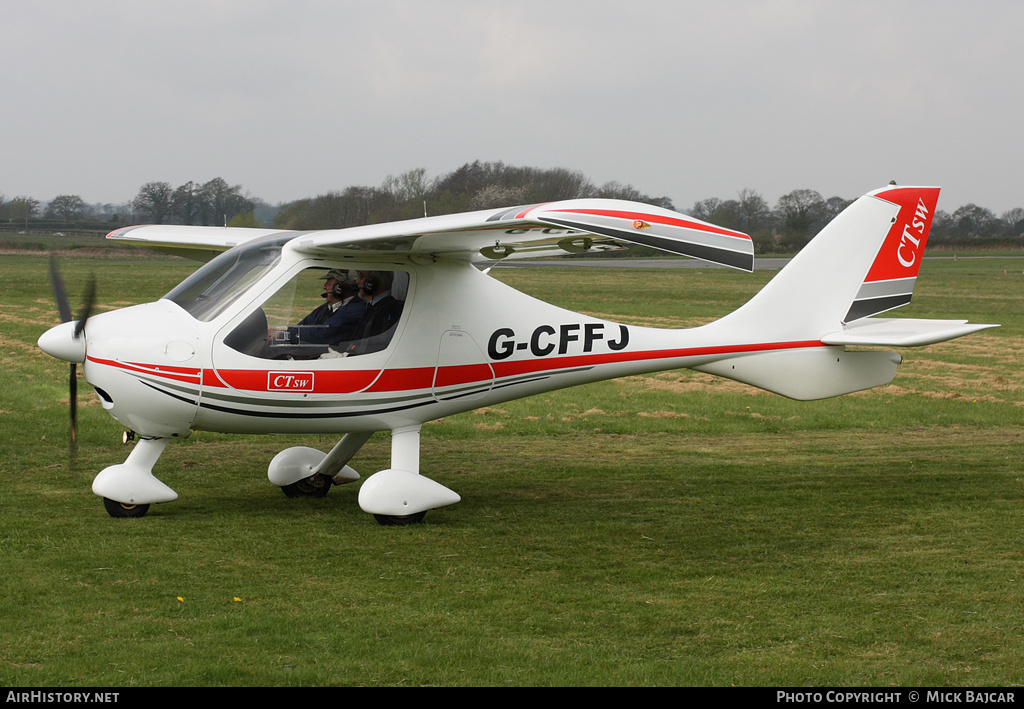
204	204
473	186
795	218
800	214
213	203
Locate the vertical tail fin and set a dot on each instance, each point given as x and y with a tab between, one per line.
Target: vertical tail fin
864	262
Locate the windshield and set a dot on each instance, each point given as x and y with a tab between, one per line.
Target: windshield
207	292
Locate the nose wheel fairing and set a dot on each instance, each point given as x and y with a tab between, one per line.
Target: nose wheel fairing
146	364
132	482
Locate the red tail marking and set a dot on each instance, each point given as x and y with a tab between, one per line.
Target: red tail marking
901	253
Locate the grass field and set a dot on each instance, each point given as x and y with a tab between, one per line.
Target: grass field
671	529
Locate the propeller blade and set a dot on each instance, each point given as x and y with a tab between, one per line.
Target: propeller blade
86	311
73	391
64	309
57	283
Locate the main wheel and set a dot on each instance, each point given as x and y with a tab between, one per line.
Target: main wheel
395	521
314	486
123	509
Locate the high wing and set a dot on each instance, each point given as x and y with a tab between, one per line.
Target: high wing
200	243
570	226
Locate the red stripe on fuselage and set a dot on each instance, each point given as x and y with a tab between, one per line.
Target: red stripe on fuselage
180	374
327	381
532	366
420	378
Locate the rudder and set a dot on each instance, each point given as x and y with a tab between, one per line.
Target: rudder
890	281
865	261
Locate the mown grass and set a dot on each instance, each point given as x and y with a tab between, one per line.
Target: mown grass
672	529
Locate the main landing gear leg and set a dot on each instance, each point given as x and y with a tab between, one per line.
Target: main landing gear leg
400	495
130	488
307	472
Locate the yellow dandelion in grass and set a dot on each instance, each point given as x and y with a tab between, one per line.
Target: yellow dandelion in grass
180	599
237	599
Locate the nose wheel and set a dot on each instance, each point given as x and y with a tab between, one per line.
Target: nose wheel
314	486
400	521
121	509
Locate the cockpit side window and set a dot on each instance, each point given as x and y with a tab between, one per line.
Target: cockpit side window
324	314
214	287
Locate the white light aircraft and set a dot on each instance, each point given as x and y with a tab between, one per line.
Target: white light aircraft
433	335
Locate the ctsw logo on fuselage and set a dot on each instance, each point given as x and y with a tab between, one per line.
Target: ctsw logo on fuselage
562	339
290	381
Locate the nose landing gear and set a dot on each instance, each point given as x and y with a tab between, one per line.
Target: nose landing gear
130	488
121	509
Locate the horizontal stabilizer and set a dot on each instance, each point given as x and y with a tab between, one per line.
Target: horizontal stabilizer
901	332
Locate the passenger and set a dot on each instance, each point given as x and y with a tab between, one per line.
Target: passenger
376	327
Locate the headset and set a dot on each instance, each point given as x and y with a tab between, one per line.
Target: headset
341	288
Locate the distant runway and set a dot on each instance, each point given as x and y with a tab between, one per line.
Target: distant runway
760	264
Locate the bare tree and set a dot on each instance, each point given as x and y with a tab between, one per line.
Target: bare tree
22	208
799	213
1013	221
185	203
703	209
972	221
755	214
410	186
617	190
67	207
153	203
220	201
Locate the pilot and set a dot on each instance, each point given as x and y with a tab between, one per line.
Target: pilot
336	320
322	312
375	328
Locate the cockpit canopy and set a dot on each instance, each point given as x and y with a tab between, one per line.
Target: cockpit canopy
214	287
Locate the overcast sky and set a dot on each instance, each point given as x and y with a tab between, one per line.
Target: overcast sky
686	100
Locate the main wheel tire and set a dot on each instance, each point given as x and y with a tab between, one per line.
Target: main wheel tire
314	486
123	509
395	521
